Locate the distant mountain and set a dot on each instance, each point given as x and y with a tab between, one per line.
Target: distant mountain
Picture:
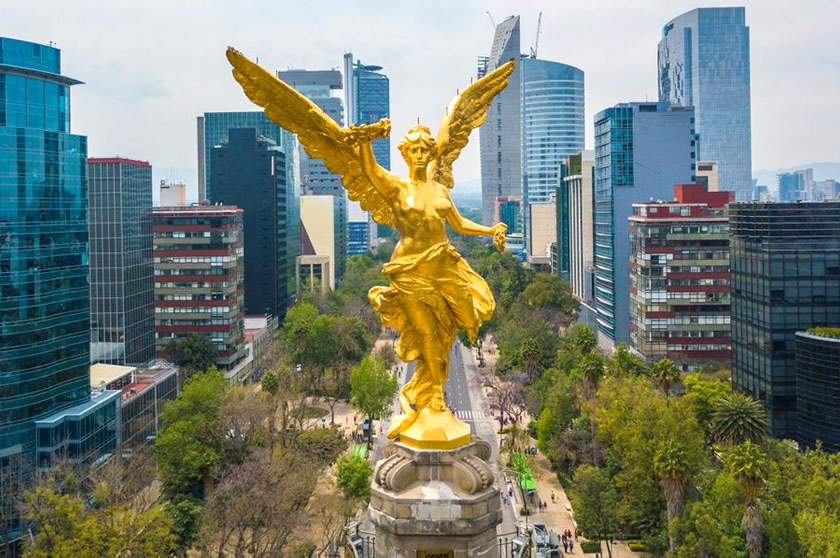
822	171
471	185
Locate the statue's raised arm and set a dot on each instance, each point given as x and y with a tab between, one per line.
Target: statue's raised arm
345	151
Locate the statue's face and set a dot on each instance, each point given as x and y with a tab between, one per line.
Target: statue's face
417	155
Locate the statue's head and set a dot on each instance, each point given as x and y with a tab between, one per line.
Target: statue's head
417	147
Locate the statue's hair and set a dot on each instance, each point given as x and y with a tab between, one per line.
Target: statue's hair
419	133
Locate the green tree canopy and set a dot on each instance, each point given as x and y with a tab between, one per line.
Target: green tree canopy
595	502
191	441
354	477
372	388
194	352
665	375
738	418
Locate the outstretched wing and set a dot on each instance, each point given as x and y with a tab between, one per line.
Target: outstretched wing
466	111
320	136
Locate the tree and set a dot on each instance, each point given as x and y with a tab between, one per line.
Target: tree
595	500
591	369
372	390
323	445
353	474
738	418
625	363
114	525
553	296
256	505
529	354
270	383
296	329
190	443
665	375
671	467
748	465
193	353
581	337
705	394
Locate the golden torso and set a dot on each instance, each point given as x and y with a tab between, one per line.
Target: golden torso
420	208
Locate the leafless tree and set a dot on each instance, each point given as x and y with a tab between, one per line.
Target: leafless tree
256	505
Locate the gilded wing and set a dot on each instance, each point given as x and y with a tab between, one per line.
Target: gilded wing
320	136
466	112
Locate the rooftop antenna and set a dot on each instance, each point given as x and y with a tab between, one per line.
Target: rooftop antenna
537	42
492	21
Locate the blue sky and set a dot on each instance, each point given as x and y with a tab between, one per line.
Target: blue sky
150	67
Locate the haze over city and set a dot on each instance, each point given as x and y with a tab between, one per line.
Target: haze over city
151	67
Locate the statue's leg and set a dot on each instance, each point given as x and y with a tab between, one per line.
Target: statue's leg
430	373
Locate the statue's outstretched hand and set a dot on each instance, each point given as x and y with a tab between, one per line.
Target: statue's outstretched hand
357	134
499	230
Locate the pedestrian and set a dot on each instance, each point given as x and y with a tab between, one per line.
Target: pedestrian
552	496
565	546
576	535
563	537
571	547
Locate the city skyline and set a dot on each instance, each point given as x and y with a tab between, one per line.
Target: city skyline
133	92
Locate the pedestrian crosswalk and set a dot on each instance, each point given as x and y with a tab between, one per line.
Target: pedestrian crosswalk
470	415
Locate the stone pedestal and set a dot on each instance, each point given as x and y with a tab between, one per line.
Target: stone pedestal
439	503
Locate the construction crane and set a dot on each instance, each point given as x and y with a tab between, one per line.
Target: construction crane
492	21
537	42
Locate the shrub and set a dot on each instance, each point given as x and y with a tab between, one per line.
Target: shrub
524	511
590	547
637	547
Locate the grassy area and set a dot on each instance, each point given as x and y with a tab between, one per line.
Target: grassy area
315	412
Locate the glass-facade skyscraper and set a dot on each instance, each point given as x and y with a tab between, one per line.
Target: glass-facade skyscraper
704	62
785	267
213	131
367	99
44	296
249	173
122	293
499	137
320	86
552	123
641	151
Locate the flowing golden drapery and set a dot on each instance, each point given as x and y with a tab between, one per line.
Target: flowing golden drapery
439	286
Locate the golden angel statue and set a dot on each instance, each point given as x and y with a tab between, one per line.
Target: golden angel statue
433	290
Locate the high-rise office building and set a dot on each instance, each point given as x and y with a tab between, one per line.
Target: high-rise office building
785	266
44	294
319	230
552	123
367	99
213	128
122	298
499	136
641	151
249	172
818	388
172	194
704	62
321	87
199	279
708	175
679	278
796	186
533	125
574	232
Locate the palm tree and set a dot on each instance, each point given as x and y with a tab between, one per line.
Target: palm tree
665	375
748	465
530	354
738	418
591	367
671	466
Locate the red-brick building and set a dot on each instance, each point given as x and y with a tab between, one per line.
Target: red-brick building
199	278
679	278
